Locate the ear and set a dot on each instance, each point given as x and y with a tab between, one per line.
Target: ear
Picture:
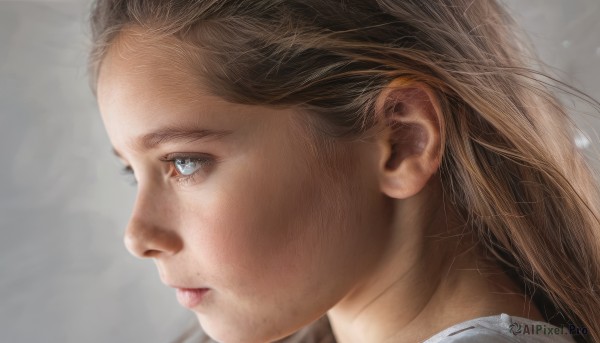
410	139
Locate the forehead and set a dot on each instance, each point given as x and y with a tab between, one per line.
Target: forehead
146	84
136	58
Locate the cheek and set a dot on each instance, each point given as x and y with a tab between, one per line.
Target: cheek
257	225
268	239
263	228
284	227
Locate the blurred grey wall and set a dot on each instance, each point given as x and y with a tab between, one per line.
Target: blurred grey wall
65	275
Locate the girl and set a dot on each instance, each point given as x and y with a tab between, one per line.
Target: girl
391	170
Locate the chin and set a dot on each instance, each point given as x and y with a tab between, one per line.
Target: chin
232	333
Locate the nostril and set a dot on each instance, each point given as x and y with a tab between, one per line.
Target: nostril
151	253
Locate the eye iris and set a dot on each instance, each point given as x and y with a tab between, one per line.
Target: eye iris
186	166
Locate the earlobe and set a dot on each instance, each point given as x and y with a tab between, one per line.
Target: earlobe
410	141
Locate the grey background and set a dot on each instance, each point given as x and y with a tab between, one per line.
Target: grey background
65	275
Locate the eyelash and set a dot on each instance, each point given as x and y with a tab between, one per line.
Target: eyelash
170	159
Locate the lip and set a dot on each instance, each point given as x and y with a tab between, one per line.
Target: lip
191	297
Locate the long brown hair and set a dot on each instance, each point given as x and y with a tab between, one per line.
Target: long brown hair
510	164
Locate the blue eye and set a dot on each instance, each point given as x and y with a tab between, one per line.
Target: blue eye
186	167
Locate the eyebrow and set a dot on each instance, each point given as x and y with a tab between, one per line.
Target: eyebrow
152	140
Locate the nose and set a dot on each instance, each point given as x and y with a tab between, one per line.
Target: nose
146	234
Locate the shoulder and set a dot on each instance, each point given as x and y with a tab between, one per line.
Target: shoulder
473	335
502	329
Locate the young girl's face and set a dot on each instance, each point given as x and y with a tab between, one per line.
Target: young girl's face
275	240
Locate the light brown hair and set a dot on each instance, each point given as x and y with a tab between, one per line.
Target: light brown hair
510	164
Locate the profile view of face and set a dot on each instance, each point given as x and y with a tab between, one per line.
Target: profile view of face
277	236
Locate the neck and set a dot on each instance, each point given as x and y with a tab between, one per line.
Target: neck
429	279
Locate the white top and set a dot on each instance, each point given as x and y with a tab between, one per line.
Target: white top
502	328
